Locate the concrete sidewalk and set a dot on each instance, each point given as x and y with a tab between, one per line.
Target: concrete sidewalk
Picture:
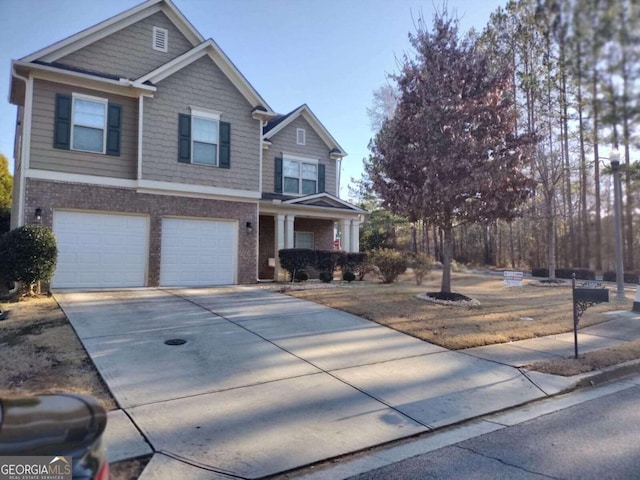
623	327
266	383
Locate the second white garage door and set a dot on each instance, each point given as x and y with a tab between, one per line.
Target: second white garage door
198	252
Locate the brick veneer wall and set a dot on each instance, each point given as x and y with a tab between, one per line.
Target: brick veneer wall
267	247
49	196
322	231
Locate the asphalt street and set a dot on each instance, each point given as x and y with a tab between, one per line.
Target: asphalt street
598	439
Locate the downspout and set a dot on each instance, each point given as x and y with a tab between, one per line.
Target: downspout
140	134
26	141
262	123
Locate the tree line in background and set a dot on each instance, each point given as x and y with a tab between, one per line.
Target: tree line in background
560	84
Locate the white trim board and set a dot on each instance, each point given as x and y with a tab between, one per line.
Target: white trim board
148	186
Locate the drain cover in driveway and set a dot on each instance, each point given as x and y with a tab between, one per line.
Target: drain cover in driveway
175	341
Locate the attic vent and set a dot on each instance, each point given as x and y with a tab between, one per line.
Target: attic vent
300	136
160	39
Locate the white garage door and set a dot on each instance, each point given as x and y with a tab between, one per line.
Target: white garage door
198	252
98	250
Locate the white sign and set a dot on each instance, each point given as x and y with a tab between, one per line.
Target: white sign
513	279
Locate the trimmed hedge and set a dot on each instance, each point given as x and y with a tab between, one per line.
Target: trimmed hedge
349	262
581	273
327	260
629	277
540	272
295	259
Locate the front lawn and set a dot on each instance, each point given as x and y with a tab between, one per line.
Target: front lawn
505	313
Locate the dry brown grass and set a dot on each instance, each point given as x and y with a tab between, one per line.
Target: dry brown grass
498	319
590	361
40	353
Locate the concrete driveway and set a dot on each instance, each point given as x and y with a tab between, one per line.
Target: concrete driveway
265	382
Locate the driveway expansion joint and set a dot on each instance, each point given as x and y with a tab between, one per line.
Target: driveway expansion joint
137	427
199	394
524	373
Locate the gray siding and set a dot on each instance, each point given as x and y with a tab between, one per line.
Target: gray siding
202	84
285	141
45	157
128	53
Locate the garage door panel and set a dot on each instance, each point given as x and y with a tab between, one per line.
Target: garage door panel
100	250
198	252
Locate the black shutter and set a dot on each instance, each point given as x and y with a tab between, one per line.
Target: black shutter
225	145
184	138
277	180
62	124
320	178
113	129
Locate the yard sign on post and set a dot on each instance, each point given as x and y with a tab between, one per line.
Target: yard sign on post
512	279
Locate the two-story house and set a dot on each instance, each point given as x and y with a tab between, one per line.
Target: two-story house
156	162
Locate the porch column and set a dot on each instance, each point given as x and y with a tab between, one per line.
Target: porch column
279	242
355	235
289	239
345	234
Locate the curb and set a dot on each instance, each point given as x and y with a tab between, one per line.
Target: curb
608	374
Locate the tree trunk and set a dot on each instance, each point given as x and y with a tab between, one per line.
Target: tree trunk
447	253
512	252
551	236
414	238
427	247
626	138
573	255
596	167
586	250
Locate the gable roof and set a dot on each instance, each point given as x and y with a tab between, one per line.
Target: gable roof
107	27
324	200
211	48
49	55
278	123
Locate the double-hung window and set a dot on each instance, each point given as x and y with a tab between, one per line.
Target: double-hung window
89	123
205	133
300	177
204	139
303	240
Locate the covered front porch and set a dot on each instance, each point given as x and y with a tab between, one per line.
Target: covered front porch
314	222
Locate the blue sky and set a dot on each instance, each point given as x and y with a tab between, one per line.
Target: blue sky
329	54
